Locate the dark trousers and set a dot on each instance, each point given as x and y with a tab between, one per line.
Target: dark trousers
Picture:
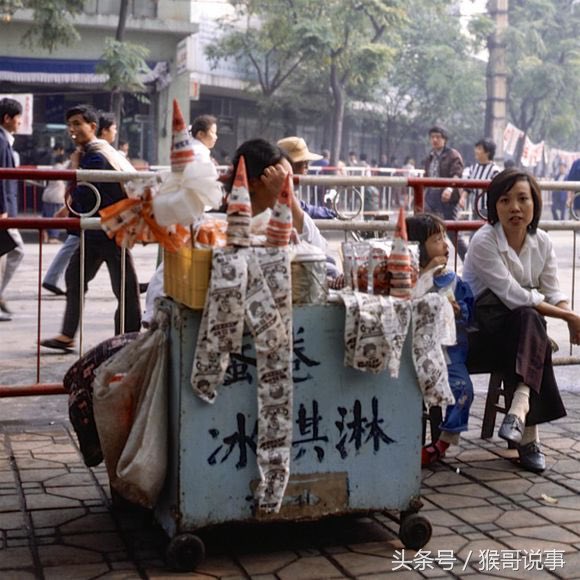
521	350
98	251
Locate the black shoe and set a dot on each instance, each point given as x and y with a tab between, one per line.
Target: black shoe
143	287
54	289
512	428
57	344
4	307
531	457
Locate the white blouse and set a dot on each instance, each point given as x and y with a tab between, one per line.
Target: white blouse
526	279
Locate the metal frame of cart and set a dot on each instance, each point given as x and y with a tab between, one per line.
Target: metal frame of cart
356	439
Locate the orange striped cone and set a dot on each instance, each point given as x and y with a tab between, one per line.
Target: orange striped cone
280	224
181	143
239	209
399	264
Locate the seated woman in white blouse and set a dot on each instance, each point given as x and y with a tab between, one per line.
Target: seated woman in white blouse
512	270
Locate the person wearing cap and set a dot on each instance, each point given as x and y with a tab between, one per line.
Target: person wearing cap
443	161
300	157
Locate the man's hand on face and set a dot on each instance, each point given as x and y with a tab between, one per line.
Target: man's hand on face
273	178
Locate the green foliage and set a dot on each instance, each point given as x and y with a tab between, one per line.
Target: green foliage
124	62
543	51
53	24
435	78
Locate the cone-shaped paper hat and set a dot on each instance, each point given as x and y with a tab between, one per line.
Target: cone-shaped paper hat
239	209
181	144
280	224
239	199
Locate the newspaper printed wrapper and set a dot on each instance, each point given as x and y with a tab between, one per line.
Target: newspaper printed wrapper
225	306
280	225
386	324
181	143
239	209
267	271
399	265
433	328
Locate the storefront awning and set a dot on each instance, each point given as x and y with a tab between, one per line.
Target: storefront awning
62	71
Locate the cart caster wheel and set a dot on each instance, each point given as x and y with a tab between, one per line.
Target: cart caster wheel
185	552
415	531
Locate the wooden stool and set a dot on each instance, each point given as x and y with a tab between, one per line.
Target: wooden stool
495	390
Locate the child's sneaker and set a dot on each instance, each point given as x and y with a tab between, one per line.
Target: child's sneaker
433	453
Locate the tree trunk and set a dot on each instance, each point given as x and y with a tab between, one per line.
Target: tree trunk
337	114
121	25
117	95
496	104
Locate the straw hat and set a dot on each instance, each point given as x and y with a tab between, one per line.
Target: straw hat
297	150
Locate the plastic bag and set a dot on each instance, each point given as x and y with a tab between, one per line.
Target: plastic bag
130	406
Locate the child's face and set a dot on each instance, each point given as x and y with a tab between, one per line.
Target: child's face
436	246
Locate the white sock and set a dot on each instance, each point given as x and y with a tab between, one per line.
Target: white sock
530	434
449	437
521	402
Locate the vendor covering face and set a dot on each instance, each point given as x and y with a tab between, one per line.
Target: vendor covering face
267	168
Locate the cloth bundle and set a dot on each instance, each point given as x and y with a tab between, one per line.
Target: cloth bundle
375	331
253	285
131	220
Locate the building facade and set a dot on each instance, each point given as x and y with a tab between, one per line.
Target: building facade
68	76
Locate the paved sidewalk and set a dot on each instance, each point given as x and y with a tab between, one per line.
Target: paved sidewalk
56	519
57	522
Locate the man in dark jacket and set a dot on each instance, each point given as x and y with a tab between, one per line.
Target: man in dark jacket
11	242
443	161
96	154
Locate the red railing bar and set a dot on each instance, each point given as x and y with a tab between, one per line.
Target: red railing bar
31	390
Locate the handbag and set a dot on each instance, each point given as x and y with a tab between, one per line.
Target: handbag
490	312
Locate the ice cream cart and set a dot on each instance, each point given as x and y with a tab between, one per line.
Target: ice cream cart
356	437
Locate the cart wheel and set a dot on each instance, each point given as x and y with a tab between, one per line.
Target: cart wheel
185	552
415	531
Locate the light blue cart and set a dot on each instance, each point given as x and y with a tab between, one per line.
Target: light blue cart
356	440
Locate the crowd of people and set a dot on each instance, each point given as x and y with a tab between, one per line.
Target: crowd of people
510	279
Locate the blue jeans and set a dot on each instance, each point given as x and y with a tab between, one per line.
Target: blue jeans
60	262
48	211
457	415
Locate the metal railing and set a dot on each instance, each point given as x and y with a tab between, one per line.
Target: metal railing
416	184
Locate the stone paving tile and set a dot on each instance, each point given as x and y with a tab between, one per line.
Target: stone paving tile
75	572
18	575
55	518
49	501
61	554
555	533
479	515
39	475
361	564
450	501
220	567
11	521
11	558
266	563
519	518
469	490
314	568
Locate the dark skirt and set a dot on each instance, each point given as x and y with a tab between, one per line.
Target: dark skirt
521	350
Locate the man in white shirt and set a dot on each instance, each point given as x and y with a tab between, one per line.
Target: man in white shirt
204	133
483	168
